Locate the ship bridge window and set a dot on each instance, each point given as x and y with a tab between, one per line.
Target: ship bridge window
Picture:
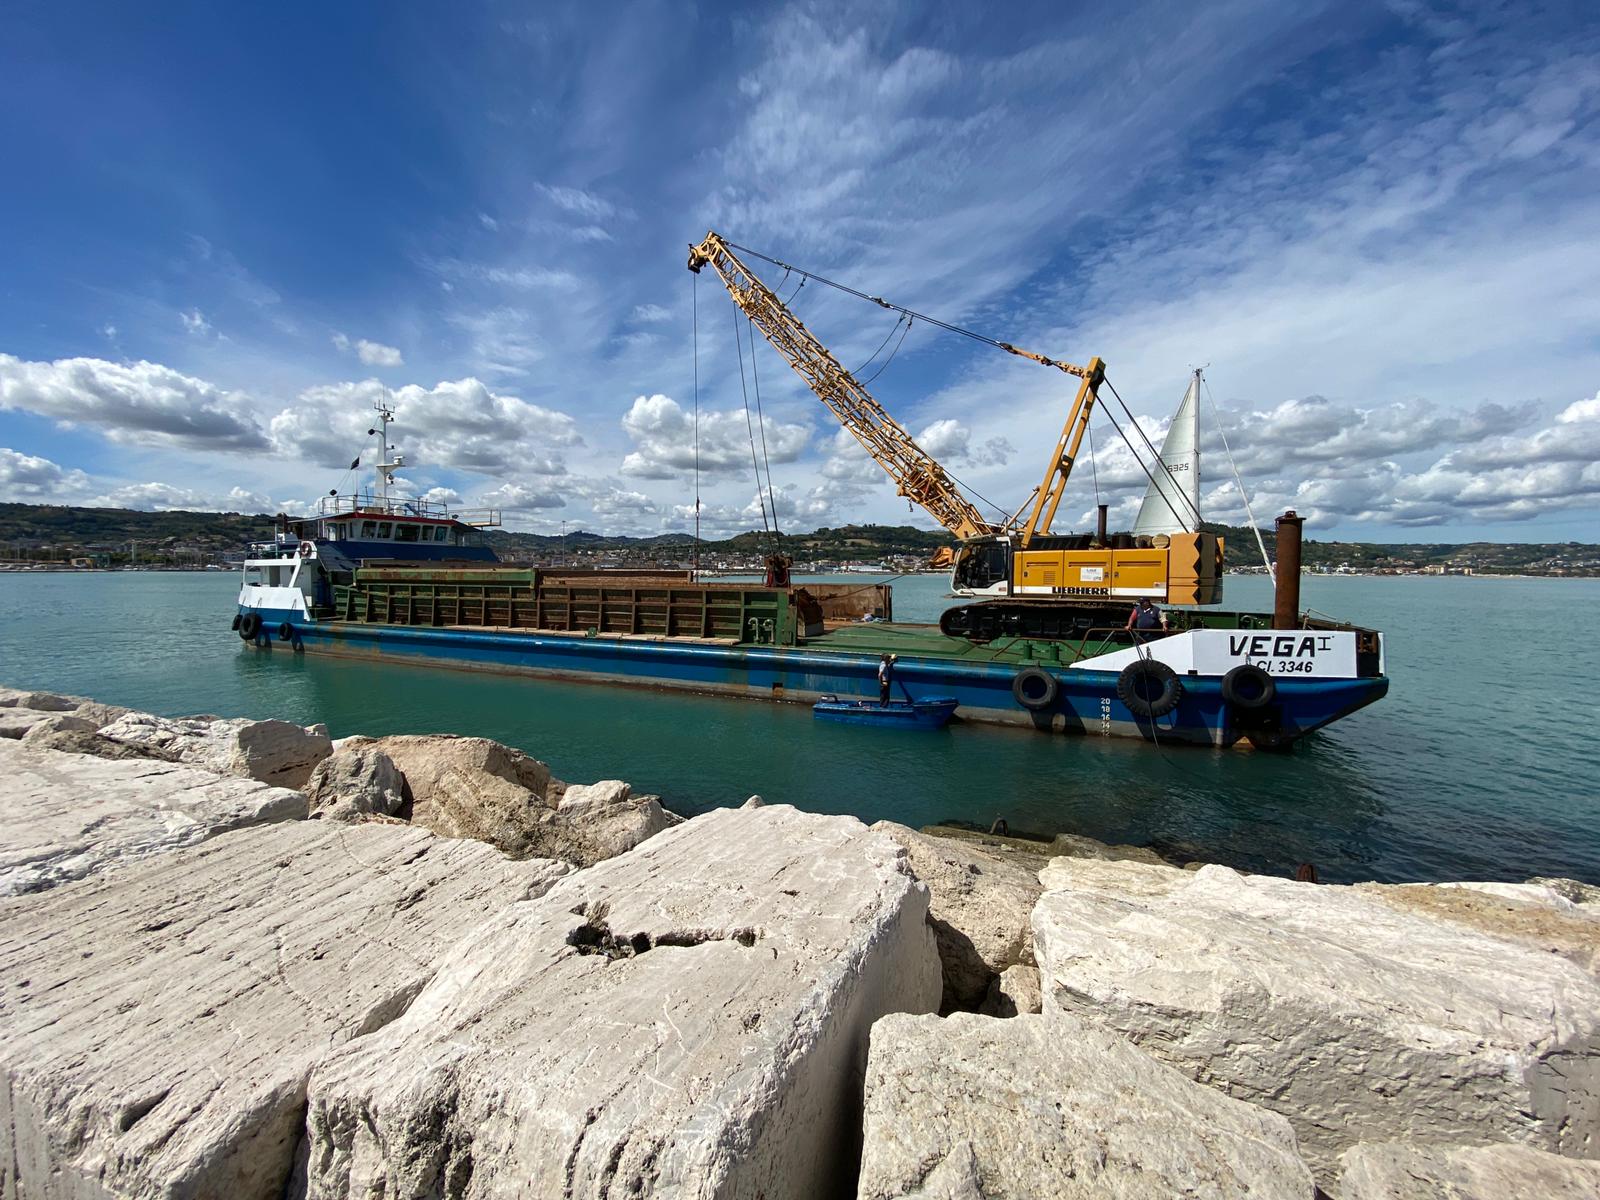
441	533
369	529
383	529
405	533
252	575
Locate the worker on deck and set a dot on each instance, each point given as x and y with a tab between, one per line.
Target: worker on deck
886	676
1146	616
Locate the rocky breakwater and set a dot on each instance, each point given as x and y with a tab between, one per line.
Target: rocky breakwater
1205	1032
214	986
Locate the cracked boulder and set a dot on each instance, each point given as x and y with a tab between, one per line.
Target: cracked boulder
688	1020
476	788
275	752
160	1022
1357	1019
67	816
967	1106
980	911
355	782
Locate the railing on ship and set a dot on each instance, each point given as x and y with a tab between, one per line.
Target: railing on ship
365	503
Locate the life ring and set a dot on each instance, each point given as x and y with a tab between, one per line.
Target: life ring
1247	687
1134	688
306	548
249	626
285	632
1035	688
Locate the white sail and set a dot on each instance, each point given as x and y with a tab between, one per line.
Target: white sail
1172	501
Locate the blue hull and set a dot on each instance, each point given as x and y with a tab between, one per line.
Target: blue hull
1086	701
897	714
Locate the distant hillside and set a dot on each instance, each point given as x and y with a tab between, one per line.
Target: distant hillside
38	530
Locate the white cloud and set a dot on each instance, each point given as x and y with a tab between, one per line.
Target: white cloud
517	498
460	424
664	438
651	312
374	354
578	202
194	321
131	402
28	479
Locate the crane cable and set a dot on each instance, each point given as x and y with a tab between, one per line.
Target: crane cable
1166	470
761	422
694	322
1272	571
755	463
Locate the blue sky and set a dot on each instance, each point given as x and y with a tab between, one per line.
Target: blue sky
230	229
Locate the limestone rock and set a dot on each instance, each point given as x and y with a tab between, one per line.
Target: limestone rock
57	723
1570	889
99	714
269	751
753	802
980	909
161	1021
1532	914
1389	1171
579	798
354	782
38	701
1356	1020
687	1020
471	787
15	722
1014	992
67	816
1051	1107
77	741
1072	845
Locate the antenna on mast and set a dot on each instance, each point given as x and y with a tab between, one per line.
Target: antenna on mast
386	466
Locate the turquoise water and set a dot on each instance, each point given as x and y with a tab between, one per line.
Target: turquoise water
1475	766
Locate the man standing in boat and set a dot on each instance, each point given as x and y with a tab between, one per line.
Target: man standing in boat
1146	616
886	677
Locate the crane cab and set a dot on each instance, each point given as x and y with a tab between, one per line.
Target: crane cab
1183	568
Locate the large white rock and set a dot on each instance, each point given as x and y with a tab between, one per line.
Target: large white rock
688	1020
1390	1171
1534	914
1356	1020
980	909
67	816
586	797
968	1107
15	722
160	1022
269	751
355	782
38	701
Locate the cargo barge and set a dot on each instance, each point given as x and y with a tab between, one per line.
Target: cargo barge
353	583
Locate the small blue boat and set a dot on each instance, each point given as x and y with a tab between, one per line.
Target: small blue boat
931	712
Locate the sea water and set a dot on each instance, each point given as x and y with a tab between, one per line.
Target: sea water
1477	765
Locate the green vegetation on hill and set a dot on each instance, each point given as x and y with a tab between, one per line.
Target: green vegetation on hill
57	531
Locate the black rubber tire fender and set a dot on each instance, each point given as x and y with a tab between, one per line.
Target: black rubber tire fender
285	631
236	619
249	626
1035	688
1247	687
1129	688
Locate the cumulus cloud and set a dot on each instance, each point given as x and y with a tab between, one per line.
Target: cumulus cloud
460	424
131	402
519	498
374	354
194	321
664	439
949	441
28	479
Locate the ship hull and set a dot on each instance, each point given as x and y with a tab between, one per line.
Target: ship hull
1086	701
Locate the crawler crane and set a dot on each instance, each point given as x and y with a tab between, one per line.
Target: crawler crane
1027	580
